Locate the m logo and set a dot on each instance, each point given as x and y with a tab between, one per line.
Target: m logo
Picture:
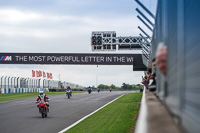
6	58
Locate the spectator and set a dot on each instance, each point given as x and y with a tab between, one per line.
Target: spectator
153	75
144	82
149	71
149	79
161	57
148	74
152	83
154	63
154	68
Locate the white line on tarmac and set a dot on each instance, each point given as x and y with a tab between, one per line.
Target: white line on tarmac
64	130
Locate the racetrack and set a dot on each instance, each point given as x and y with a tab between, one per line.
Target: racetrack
22	116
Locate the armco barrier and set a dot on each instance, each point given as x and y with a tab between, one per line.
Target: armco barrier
23	90
2	91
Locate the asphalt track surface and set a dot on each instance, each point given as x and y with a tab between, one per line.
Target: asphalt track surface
22	116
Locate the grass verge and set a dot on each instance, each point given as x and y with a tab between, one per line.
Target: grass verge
15	96
117	117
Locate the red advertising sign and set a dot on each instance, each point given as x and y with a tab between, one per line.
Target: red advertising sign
42	74
48	75
51	77
33	73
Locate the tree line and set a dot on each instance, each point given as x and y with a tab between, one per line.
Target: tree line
123	87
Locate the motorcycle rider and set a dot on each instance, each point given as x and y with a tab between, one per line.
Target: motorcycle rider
44	97
89	89
69	89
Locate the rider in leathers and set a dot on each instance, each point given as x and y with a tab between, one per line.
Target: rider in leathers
69	89
43	96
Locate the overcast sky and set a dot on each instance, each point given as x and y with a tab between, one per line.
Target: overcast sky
65	26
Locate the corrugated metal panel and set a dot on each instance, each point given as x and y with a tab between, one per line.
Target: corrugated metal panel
177	25
191	108
172	98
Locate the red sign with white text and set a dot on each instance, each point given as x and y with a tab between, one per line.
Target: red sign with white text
33	73
42	74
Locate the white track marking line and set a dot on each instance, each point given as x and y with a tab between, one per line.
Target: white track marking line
64	130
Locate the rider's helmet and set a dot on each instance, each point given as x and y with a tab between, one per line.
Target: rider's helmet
41	93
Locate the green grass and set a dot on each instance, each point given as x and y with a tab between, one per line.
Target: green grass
118	117
15	96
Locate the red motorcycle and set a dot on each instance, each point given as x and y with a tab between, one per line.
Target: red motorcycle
43	109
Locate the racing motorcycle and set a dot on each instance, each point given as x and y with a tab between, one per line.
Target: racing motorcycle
89	91
68	93
43	109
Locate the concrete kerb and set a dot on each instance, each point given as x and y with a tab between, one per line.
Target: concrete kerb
141	125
